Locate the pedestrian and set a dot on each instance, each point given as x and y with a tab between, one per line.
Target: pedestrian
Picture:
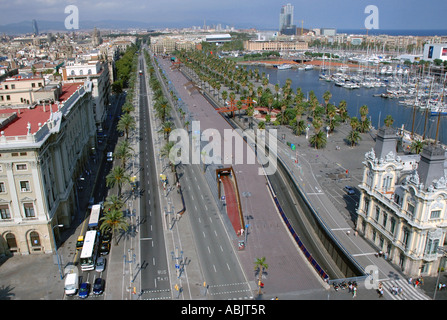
354	291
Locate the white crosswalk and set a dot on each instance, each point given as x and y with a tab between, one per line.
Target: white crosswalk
409	292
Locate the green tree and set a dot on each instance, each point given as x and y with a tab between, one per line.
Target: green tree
117	176
353	137
126	123
318	140
123	152
388	121
417	146
114	220
259	268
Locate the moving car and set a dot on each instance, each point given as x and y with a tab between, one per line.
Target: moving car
79	242
98	286
350	190
109	156
84	290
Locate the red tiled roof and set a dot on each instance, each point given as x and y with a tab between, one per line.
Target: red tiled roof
36	115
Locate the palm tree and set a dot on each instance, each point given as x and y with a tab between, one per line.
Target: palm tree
166	127
113	202
318	140
123	152
115	221
388	121
127	107
326	97
117	176
260	267
353	137
355	123
417	146
162	108
126	123
165	152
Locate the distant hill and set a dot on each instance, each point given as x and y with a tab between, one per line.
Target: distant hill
24	27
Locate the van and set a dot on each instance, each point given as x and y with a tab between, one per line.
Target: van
71	281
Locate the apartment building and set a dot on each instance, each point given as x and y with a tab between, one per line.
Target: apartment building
98	73
42	153
403	204
20	91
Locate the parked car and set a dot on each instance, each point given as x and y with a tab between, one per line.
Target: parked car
100	264
84	290
110	156
104	248
350	190
98	286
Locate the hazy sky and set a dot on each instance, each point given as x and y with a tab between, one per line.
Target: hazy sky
341	14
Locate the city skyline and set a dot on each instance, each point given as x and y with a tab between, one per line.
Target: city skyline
261	14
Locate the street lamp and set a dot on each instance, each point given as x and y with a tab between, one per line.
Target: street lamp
55	249
443	251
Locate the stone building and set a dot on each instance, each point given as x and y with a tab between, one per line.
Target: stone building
42	153
403	204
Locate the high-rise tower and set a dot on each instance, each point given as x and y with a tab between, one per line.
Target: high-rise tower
286	25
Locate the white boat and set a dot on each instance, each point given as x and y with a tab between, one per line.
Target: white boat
284	66
309	67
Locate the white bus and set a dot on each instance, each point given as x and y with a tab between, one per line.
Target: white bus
89	250
95	214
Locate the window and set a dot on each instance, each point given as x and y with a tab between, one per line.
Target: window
24	186
33	85
436	214
89	71
432	246
11	242
72	72
393	225
81	72
13	86
6	87
385	218
8	97
21	166
2	187
4	212
35	239
377	213
29	210
410	209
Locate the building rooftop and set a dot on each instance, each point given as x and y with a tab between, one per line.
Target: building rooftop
32	117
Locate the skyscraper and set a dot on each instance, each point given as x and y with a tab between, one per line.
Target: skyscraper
35	28
286	25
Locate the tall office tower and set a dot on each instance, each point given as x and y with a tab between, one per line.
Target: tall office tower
35	28
286	25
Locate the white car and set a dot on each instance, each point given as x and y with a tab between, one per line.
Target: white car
350	190
109	156
100	264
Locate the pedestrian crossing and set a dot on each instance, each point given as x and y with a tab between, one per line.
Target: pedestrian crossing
408	292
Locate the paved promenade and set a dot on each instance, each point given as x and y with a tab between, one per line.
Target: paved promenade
321	174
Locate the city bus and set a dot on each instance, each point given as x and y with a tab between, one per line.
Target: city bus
95	214
89	251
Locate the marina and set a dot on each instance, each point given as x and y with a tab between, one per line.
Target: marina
389	91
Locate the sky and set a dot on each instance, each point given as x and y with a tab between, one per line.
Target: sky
262	14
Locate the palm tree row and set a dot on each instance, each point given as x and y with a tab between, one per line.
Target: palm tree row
113	219
214	73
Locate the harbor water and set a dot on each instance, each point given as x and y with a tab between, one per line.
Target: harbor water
378	107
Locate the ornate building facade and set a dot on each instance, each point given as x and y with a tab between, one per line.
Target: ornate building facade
403	204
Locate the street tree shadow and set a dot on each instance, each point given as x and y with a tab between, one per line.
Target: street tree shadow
6	292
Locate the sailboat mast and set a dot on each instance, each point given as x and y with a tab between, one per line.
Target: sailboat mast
440	109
